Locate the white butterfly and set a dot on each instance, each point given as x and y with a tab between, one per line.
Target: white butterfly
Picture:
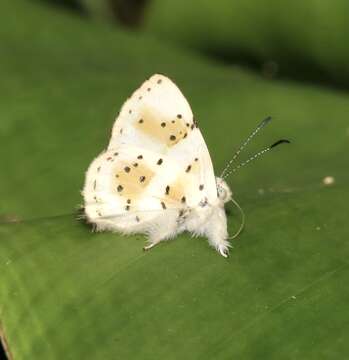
156	177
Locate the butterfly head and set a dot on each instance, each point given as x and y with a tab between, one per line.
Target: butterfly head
223	192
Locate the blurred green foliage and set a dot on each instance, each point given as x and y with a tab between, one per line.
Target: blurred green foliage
305	39
69	293
125	12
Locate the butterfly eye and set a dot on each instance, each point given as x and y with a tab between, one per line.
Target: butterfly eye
221	192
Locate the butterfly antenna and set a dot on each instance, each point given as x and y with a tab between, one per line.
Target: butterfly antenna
242	225
255	156
249	138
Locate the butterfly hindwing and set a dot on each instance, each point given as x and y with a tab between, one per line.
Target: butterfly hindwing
124	182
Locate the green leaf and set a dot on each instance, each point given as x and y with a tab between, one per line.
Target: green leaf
67	292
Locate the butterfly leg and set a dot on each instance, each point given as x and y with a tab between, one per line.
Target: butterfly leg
154	239
216	231
150	245
165	228
223	250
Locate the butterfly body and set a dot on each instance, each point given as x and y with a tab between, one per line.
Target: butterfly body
156	176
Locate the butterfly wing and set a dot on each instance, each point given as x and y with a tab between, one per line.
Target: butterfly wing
157	117
156	160
132	185
117	188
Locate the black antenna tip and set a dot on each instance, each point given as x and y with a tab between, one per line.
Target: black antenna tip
265	121
282	141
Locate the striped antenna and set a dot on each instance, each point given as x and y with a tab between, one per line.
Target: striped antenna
255	156
249	138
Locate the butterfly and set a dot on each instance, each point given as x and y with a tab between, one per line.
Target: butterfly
156	177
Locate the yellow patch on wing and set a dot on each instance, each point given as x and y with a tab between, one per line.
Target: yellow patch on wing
193	167
167	130
174	192
130	179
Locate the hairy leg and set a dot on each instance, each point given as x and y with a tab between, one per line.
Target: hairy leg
163	228
216	232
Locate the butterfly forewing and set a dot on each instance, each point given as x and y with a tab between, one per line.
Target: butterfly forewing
156	116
